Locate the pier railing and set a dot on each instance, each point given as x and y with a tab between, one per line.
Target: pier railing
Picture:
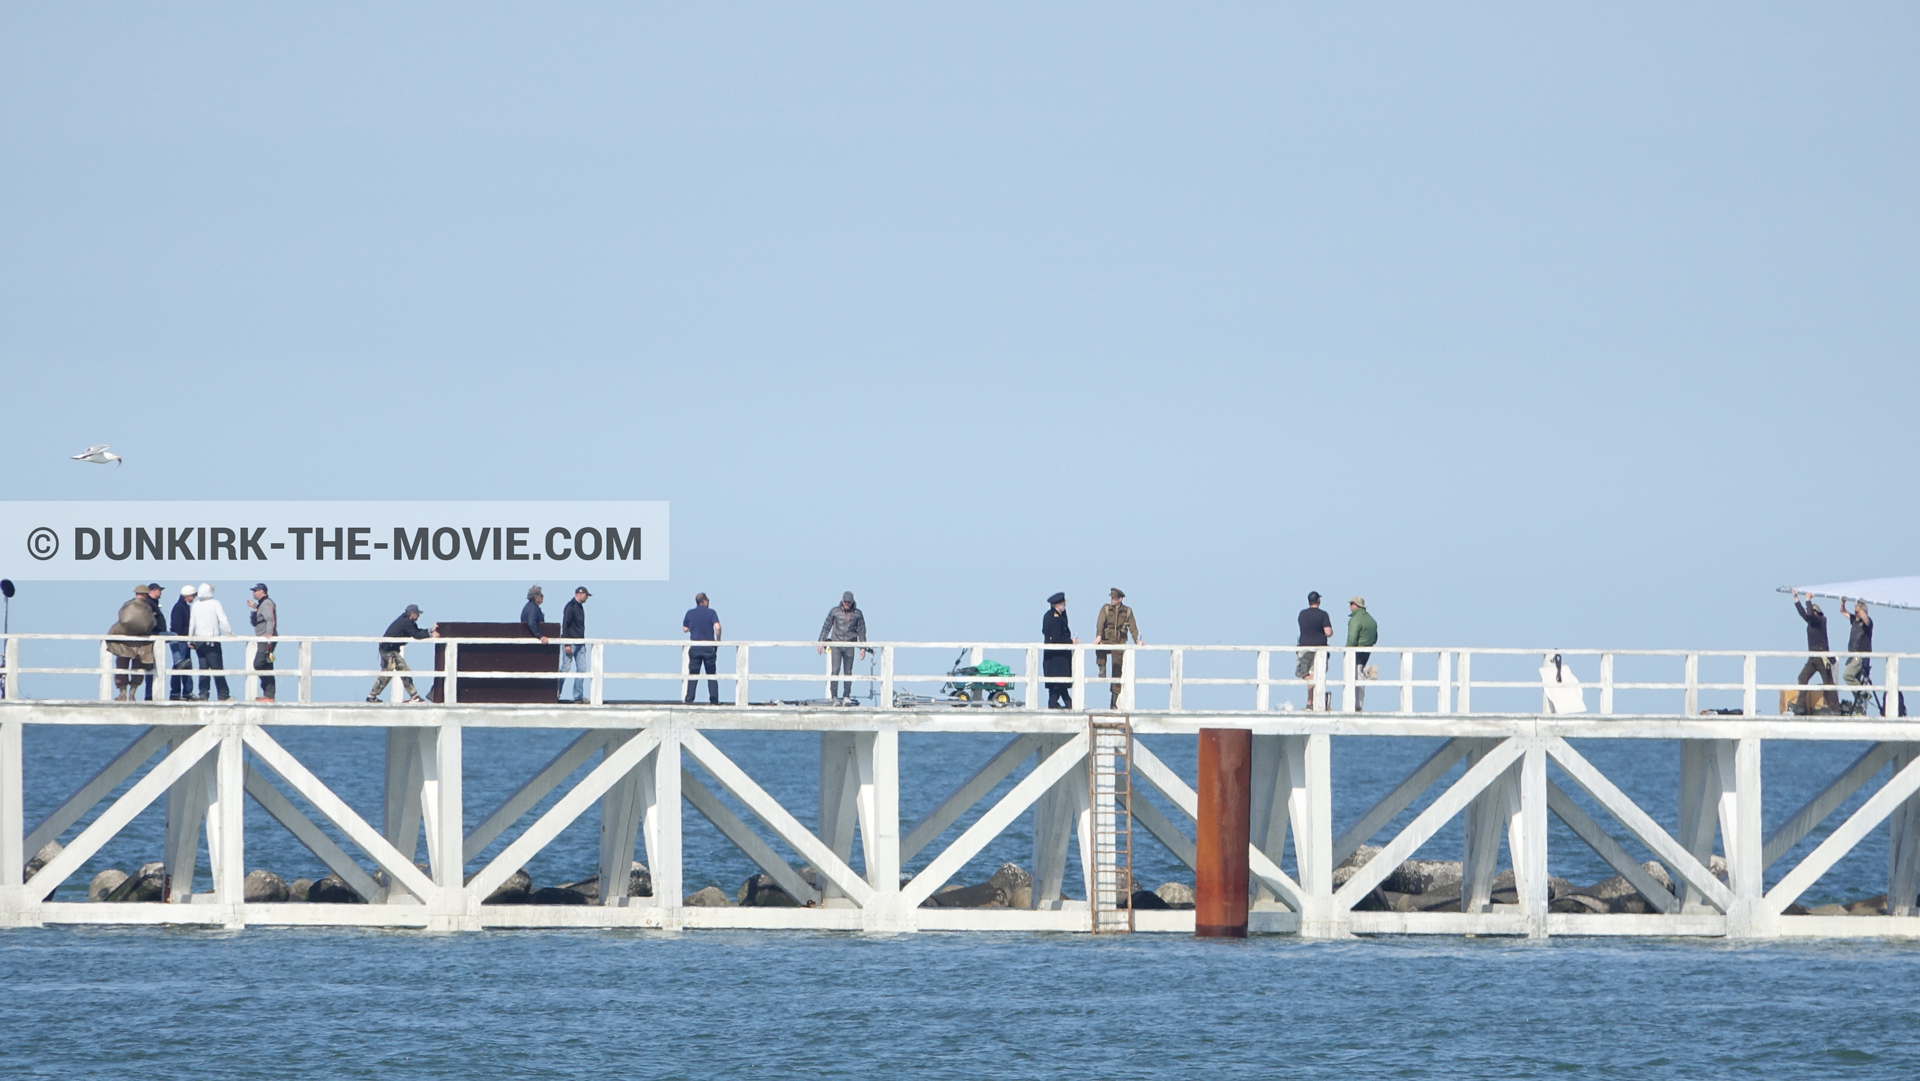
1170	678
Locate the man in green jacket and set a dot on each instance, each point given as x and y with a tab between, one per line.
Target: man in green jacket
1362	633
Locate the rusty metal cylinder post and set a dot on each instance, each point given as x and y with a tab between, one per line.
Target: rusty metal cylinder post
1220	851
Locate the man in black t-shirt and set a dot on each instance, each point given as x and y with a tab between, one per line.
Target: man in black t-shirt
702	624
1316	629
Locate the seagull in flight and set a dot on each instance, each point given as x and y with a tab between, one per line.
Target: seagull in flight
98	455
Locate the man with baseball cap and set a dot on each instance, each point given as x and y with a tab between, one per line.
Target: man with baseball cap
573	656
266	624
1362	632
1316	630
393	659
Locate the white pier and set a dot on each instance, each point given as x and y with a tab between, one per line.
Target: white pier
216	764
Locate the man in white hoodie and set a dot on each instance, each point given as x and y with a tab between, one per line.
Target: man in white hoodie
210	621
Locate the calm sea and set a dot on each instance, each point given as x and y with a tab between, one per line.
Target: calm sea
276	1003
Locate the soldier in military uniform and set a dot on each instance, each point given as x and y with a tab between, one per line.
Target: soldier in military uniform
1112	628
1057	662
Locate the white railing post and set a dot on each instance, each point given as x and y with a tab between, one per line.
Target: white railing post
394	687
306	672
1749	685
1318	696
1606	684
450	678
106	673
886	677
1406	682
250	683
1079	676
1176	667
1262	672
1444	678
12	689
13	825
1465	699
740	676
1891	709
1347	677
1132	654
162	675
1692	701
1033	678
597	662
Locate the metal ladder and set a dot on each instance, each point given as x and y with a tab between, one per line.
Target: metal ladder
1110	783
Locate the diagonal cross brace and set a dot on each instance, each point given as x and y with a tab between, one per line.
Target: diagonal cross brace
1816	810
1427	823
611	770
288	768
778	819
514	807
1841	841
1602	842
998	817
307	833
970	792
743	838
1437	764
124	810
1640	824
100	785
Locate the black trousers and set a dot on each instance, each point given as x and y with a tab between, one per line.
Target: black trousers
263	662
1059	696
696	657
842	666
210	656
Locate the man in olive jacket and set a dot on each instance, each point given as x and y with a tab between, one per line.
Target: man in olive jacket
1362	632
1112	628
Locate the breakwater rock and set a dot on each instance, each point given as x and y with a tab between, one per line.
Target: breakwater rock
105	883
707	897
41	859
264	887
149	883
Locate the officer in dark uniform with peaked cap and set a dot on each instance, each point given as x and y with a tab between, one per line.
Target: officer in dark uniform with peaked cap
1058	662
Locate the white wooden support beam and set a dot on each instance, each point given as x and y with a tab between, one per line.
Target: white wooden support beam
1602	842
1267	808
1740	832
335	810
400	794
1641	825
1422	778
620	812
1490	813
283	811
660	793
1055	818
101	784
1903	848
527	796
618	762
226	824
877	755
13	895
962	799
733	829
179	761
188	801
777	818
1842	840
839	796
1528	843
1703	782
1063	760
443	806
1427	823
1309	761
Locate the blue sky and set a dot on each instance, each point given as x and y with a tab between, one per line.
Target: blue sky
1566	324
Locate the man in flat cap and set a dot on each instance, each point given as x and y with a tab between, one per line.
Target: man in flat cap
845	623
1058	662
1362	634
1112	628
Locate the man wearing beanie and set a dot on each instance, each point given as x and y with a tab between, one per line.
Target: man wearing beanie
845	623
